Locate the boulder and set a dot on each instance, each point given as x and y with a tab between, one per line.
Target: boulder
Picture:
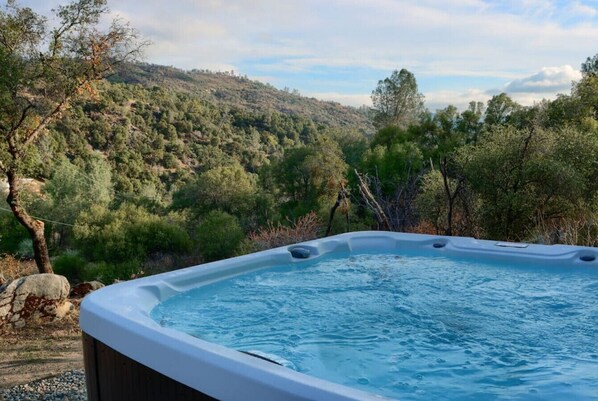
35	297
82	289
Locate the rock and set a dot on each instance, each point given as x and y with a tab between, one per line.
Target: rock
82	289
39	296
2	282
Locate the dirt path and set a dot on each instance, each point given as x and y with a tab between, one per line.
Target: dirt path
36	352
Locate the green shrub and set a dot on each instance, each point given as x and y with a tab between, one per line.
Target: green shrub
70	265
12	234
219	235
25	249
108	273
127	234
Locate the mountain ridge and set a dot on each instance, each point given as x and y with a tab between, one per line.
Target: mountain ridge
235	91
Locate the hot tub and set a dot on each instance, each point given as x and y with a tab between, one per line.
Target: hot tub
131	356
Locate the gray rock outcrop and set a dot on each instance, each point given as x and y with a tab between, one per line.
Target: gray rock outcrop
35	297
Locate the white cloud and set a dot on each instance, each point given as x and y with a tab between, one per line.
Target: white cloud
547	80
585	10
529	99
436	40
427	37
266	79
355	100
545	84
527	91
440	99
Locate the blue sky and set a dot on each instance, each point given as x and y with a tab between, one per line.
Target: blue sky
459	50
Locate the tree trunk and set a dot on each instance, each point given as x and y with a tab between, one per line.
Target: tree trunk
33	226
449	196
342	194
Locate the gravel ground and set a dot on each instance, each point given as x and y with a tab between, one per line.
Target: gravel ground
69	386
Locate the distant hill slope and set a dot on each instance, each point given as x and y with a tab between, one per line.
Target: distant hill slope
240	92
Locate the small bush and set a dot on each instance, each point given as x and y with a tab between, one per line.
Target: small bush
304	229
25	249
219	235
70	265
581	230
108	273
12	234
128	234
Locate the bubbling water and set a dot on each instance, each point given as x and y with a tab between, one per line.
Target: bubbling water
409	326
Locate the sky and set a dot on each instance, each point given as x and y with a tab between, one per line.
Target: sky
459	50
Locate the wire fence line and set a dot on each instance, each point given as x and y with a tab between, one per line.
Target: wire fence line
42	219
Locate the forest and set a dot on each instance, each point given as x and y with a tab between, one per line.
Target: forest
160	168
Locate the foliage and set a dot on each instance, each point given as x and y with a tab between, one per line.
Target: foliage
43	68
393	165
70	265
109	273
269	109
309	177
431	201
165	163
470	122
432	206
397	101
526	175
72	190
219	235
129	233
500	110
229	188
11	234
590	66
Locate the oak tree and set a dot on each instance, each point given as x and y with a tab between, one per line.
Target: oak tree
44	65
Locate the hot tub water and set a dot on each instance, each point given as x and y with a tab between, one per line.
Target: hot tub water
410	326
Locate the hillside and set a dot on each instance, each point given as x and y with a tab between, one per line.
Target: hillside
193	166
240	92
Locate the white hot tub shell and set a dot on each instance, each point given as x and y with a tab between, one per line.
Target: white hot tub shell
117	317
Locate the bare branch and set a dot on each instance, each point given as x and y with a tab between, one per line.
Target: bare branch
342	196
32	134
24	115
371	202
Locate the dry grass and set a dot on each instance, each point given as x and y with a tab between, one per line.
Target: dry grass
304	229
581	231
12	268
